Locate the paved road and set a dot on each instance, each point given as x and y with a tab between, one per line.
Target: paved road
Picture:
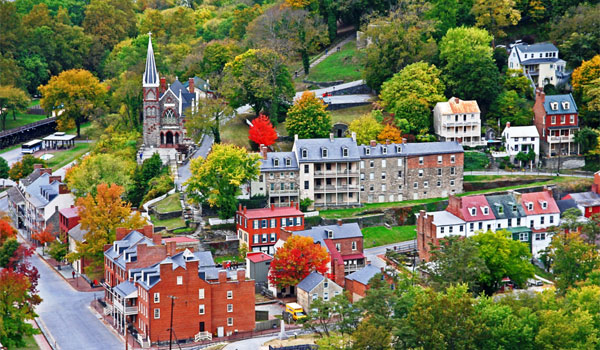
372	253
248	344
202	151
66	315
517	173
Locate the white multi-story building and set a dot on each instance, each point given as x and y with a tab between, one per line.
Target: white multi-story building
521	139
458	120
539	62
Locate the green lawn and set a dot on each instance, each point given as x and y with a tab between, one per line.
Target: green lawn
233	258
30	344
381	235
484	178
344	65
170	203
476	161
350	212
170	224
22	119
63	158
34	102
236	131
347	115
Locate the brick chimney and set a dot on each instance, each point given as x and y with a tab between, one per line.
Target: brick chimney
454	205
340	222
245	210
171	248
241	275
353	135
331	136
456	100
191	86
37	166
163	85
272	207
507	125
240	207
222	276
297	206
157	238
284	234
148	231
387	141
373	143
263	151
549	190
51	179
596	184
539	94
63	189
121	233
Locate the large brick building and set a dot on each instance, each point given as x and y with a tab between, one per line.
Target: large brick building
337	172
259	228
557	120
142	274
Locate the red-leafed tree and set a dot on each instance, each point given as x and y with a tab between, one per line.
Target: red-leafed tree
262	132
298	257
17	303
6	231
44	236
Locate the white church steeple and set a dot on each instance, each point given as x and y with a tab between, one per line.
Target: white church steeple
150	73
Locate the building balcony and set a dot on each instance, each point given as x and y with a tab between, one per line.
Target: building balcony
560	139
127	310
452	124
331	173
280	193
352	268
333	188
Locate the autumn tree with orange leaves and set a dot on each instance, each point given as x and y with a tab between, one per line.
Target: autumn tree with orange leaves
44	236
391	133
262	132
100	215
298	257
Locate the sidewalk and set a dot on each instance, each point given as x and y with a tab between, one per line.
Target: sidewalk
66	271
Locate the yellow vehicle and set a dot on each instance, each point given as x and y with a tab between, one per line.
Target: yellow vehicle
295	310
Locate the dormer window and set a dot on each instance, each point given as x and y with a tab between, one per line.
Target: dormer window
473	211
398	149
486	210
384	150
330	234
565	105
554	106
288	162
500	210
529	206
345	152
367	151
275	162
304	153
514	208
544	205
324	152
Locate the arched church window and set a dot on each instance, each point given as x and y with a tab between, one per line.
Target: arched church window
150	95
169	117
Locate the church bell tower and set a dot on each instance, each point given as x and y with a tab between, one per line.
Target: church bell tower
151	106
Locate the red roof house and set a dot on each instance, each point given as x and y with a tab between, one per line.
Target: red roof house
475	210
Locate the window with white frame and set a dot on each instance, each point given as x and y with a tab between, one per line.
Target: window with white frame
439	171
383	175
416	185
345	152
553	119
179	280
230	321
304	153
420	160
425	184
229	307
326	296
255	224
473	211
338	247
273	223
486	210
275	162
383	163
440	159
201	293
439	184
156	314
384	149
523	236
362	164
367	150
324	153
315	296
452	158
544	205
383	188
201	309
452	183
529	206
156	298
542	220
572	119
420	172
371	176
453	171
399	161
353	245
229	294
551	219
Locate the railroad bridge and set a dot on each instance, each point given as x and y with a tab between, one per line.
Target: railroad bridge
27	132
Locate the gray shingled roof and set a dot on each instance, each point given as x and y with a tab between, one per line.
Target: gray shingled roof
334	148
364	275
310	282
125	288
537	47
539	60
566	204
15	195
77	233
380	150
586	199
560	99
425	148
269	163
319	233
507	201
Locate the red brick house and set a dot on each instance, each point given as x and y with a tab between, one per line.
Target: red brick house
557	120
142	273
358	282
259	228
344	242
68	218
68	223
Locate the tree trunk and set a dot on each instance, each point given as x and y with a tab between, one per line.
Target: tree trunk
14	113
305	61
78	125
3	121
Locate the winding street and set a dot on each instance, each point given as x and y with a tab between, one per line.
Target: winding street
66	315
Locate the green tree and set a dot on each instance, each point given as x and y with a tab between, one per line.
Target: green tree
216	180
126	97
308	118
510	107
17	303
456	261
258	78
24	167
140	181
4	168
77	93
572	259
59	249
411	94
372	337
11	99
366	127
577	32
403	37
516	81
468	67
207	118
96	169
503	257
318	318
494	15
587	138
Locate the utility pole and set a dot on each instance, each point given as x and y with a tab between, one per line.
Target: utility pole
171	326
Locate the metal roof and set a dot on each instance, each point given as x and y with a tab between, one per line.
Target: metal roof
457	106
364	275
311	281
560	99
150	78
281	157
334	146
507	202
537	47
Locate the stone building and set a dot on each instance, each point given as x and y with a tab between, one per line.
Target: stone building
278	179
316	286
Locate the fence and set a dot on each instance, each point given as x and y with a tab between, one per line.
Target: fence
295	347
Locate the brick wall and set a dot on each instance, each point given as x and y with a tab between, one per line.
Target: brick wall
426	235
